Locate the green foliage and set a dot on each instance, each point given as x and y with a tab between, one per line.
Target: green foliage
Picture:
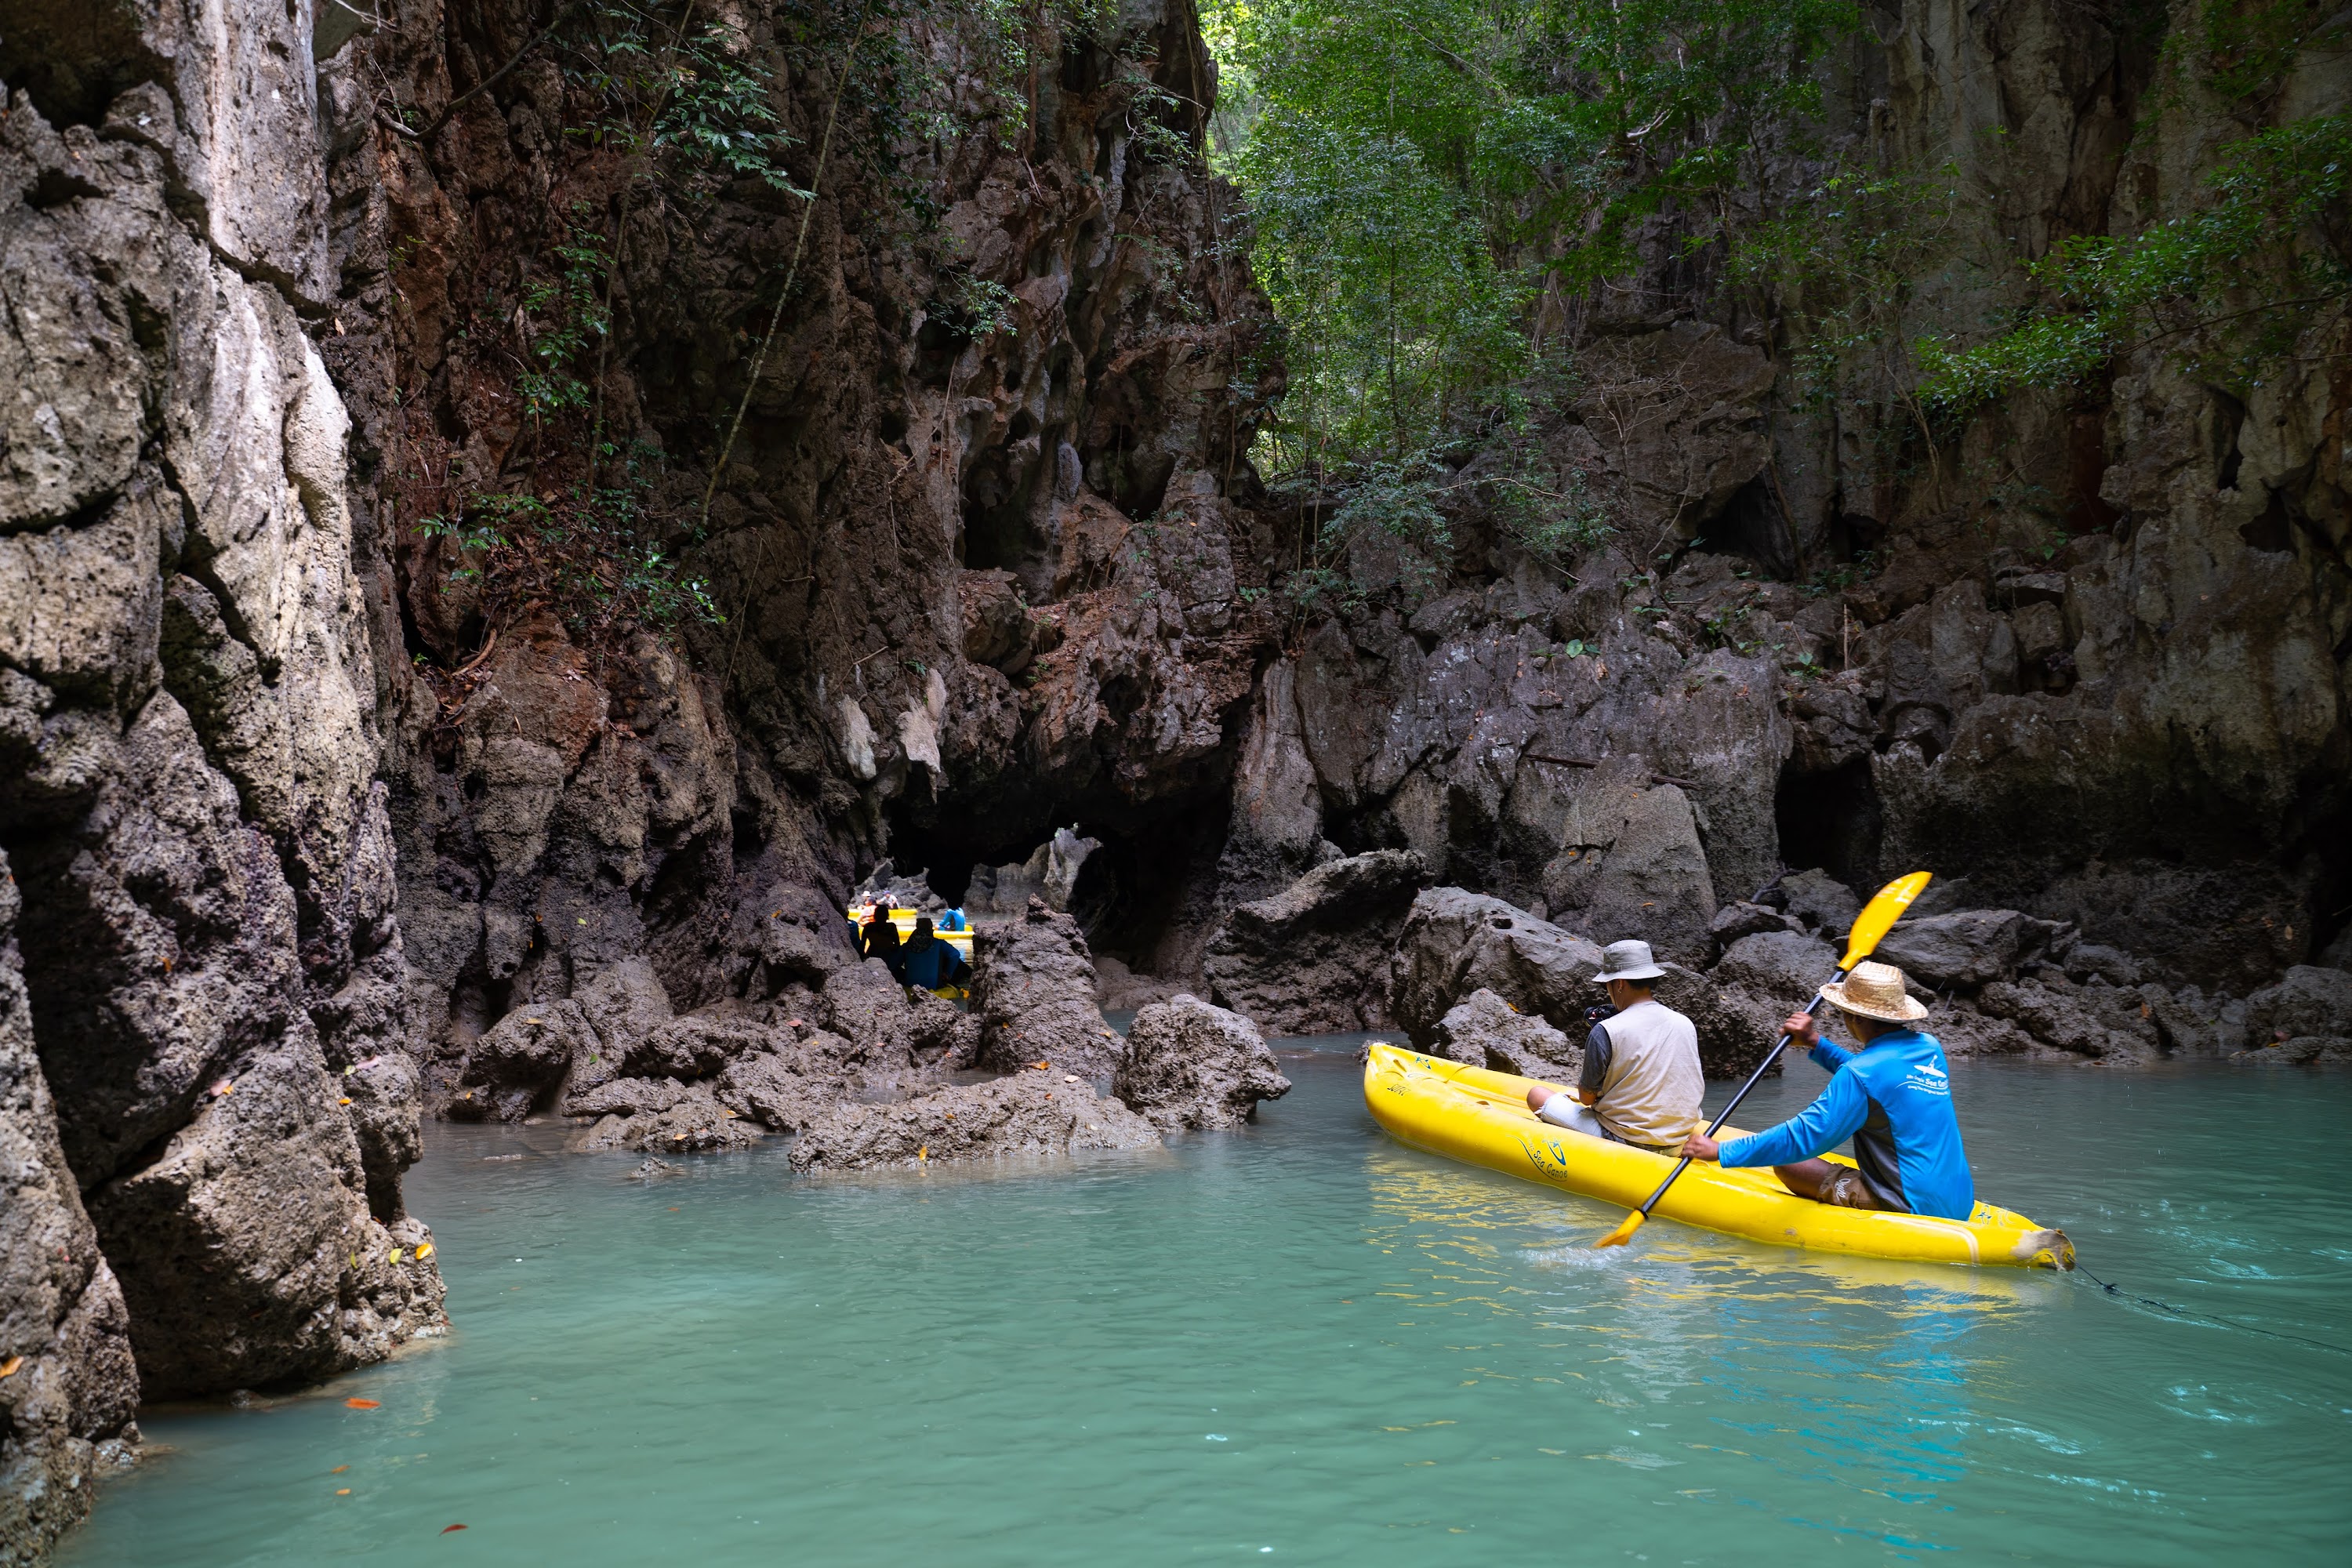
563	319
2228	289
1389	510
587	554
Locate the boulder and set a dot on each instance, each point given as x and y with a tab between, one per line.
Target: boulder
1631	866
1781	968
1119	989
1733	921
1822	903
627	1097
1963	1031
2302	1050
2097	1021
694	1046
1313	959
1189	1066
1454	943
514	1068
1968	948
1736	1028
783	1093
694	1120
2305	1001
1034	990
1033	1113
1486	1031
623	1001
864	1003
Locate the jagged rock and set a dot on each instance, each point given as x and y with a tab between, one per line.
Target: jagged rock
1454	943
2305	1001
1033	989
624	1002
1782	968
1735	1028
937	1029
2085	959
692	1122
1968	947
627	1096
1631	866
1028	1114
1191	1066
514	1068
1822	903
2088	1021
863	1003
76	1386
1963	1031
695	1047
783	1093
1119	989
1486	1031
2302	1050
386	1096
1733	921
653	1170
1313	959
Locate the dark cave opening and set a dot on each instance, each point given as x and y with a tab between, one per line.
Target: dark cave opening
1831	820
1755	526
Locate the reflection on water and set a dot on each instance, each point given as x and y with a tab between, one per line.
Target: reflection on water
1305	1340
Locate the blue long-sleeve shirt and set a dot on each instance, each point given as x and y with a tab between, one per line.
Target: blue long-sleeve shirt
1894	1099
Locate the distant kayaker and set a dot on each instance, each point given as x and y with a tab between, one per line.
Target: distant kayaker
954	921
882	942
1892	1098
1641	1083
929	962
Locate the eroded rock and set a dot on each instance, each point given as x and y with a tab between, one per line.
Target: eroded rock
1034	990
1313	959
1032	1113
1968	947
1454	943
1191	1065
1486	1031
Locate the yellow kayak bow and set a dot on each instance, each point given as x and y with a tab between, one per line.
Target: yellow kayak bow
1482	1118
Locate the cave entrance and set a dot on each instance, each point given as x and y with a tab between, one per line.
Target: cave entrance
1831	820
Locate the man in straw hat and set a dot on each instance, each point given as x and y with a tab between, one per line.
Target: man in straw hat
1640	1082
1892	1098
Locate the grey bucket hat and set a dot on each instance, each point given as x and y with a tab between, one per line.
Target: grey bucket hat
1627	961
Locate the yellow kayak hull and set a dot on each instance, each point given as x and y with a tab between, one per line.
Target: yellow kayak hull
1481	1117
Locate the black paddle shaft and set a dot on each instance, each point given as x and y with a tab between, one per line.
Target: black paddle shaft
1716	1126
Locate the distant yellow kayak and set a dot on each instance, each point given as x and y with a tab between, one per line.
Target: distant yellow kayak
1482	1118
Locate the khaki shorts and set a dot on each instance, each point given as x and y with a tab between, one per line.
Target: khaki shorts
1845	1189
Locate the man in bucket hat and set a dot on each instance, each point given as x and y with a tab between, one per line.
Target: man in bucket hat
1892	1098
1641	1083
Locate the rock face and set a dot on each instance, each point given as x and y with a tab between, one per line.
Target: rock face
1190	1067
1455	942
66	1413
1313	959
1034	988
1968	947
1027	1114
192	718
1486	1031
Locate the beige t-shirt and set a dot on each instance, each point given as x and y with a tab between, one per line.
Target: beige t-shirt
1651	1089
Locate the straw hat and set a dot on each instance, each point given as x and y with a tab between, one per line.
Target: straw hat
1876	991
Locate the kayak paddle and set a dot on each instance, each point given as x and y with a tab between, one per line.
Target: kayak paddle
1877	918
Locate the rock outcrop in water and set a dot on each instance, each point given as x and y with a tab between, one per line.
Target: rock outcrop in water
1023	1115
1313	959
1033	989
1192	1067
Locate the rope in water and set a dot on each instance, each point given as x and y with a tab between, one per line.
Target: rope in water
2122	1294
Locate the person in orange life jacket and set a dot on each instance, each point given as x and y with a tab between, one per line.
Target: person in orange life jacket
1641	1083
1892	1098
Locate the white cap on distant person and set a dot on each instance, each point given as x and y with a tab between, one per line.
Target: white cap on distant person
1627	961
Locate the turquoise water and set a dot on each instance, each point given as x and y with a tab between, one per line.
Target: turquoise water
1303	1342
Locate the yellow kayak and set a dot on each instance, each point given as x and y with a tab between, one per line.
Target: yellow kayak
1482	1118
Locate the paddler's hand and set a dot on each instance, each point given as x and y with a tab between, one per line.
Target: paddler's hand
1804	1029
1699	1146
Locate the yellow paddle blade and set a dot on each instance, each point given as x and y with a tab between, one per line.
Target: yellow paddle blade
1623	1233
1880	914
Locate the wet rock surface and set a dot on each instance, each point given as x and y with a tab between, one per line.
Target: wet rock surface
1455	942
1025	1115
1189	1066
1313	959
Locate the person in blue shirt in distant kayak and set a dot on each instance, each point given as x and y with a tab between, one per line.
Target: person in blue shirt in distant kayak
1892	1098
